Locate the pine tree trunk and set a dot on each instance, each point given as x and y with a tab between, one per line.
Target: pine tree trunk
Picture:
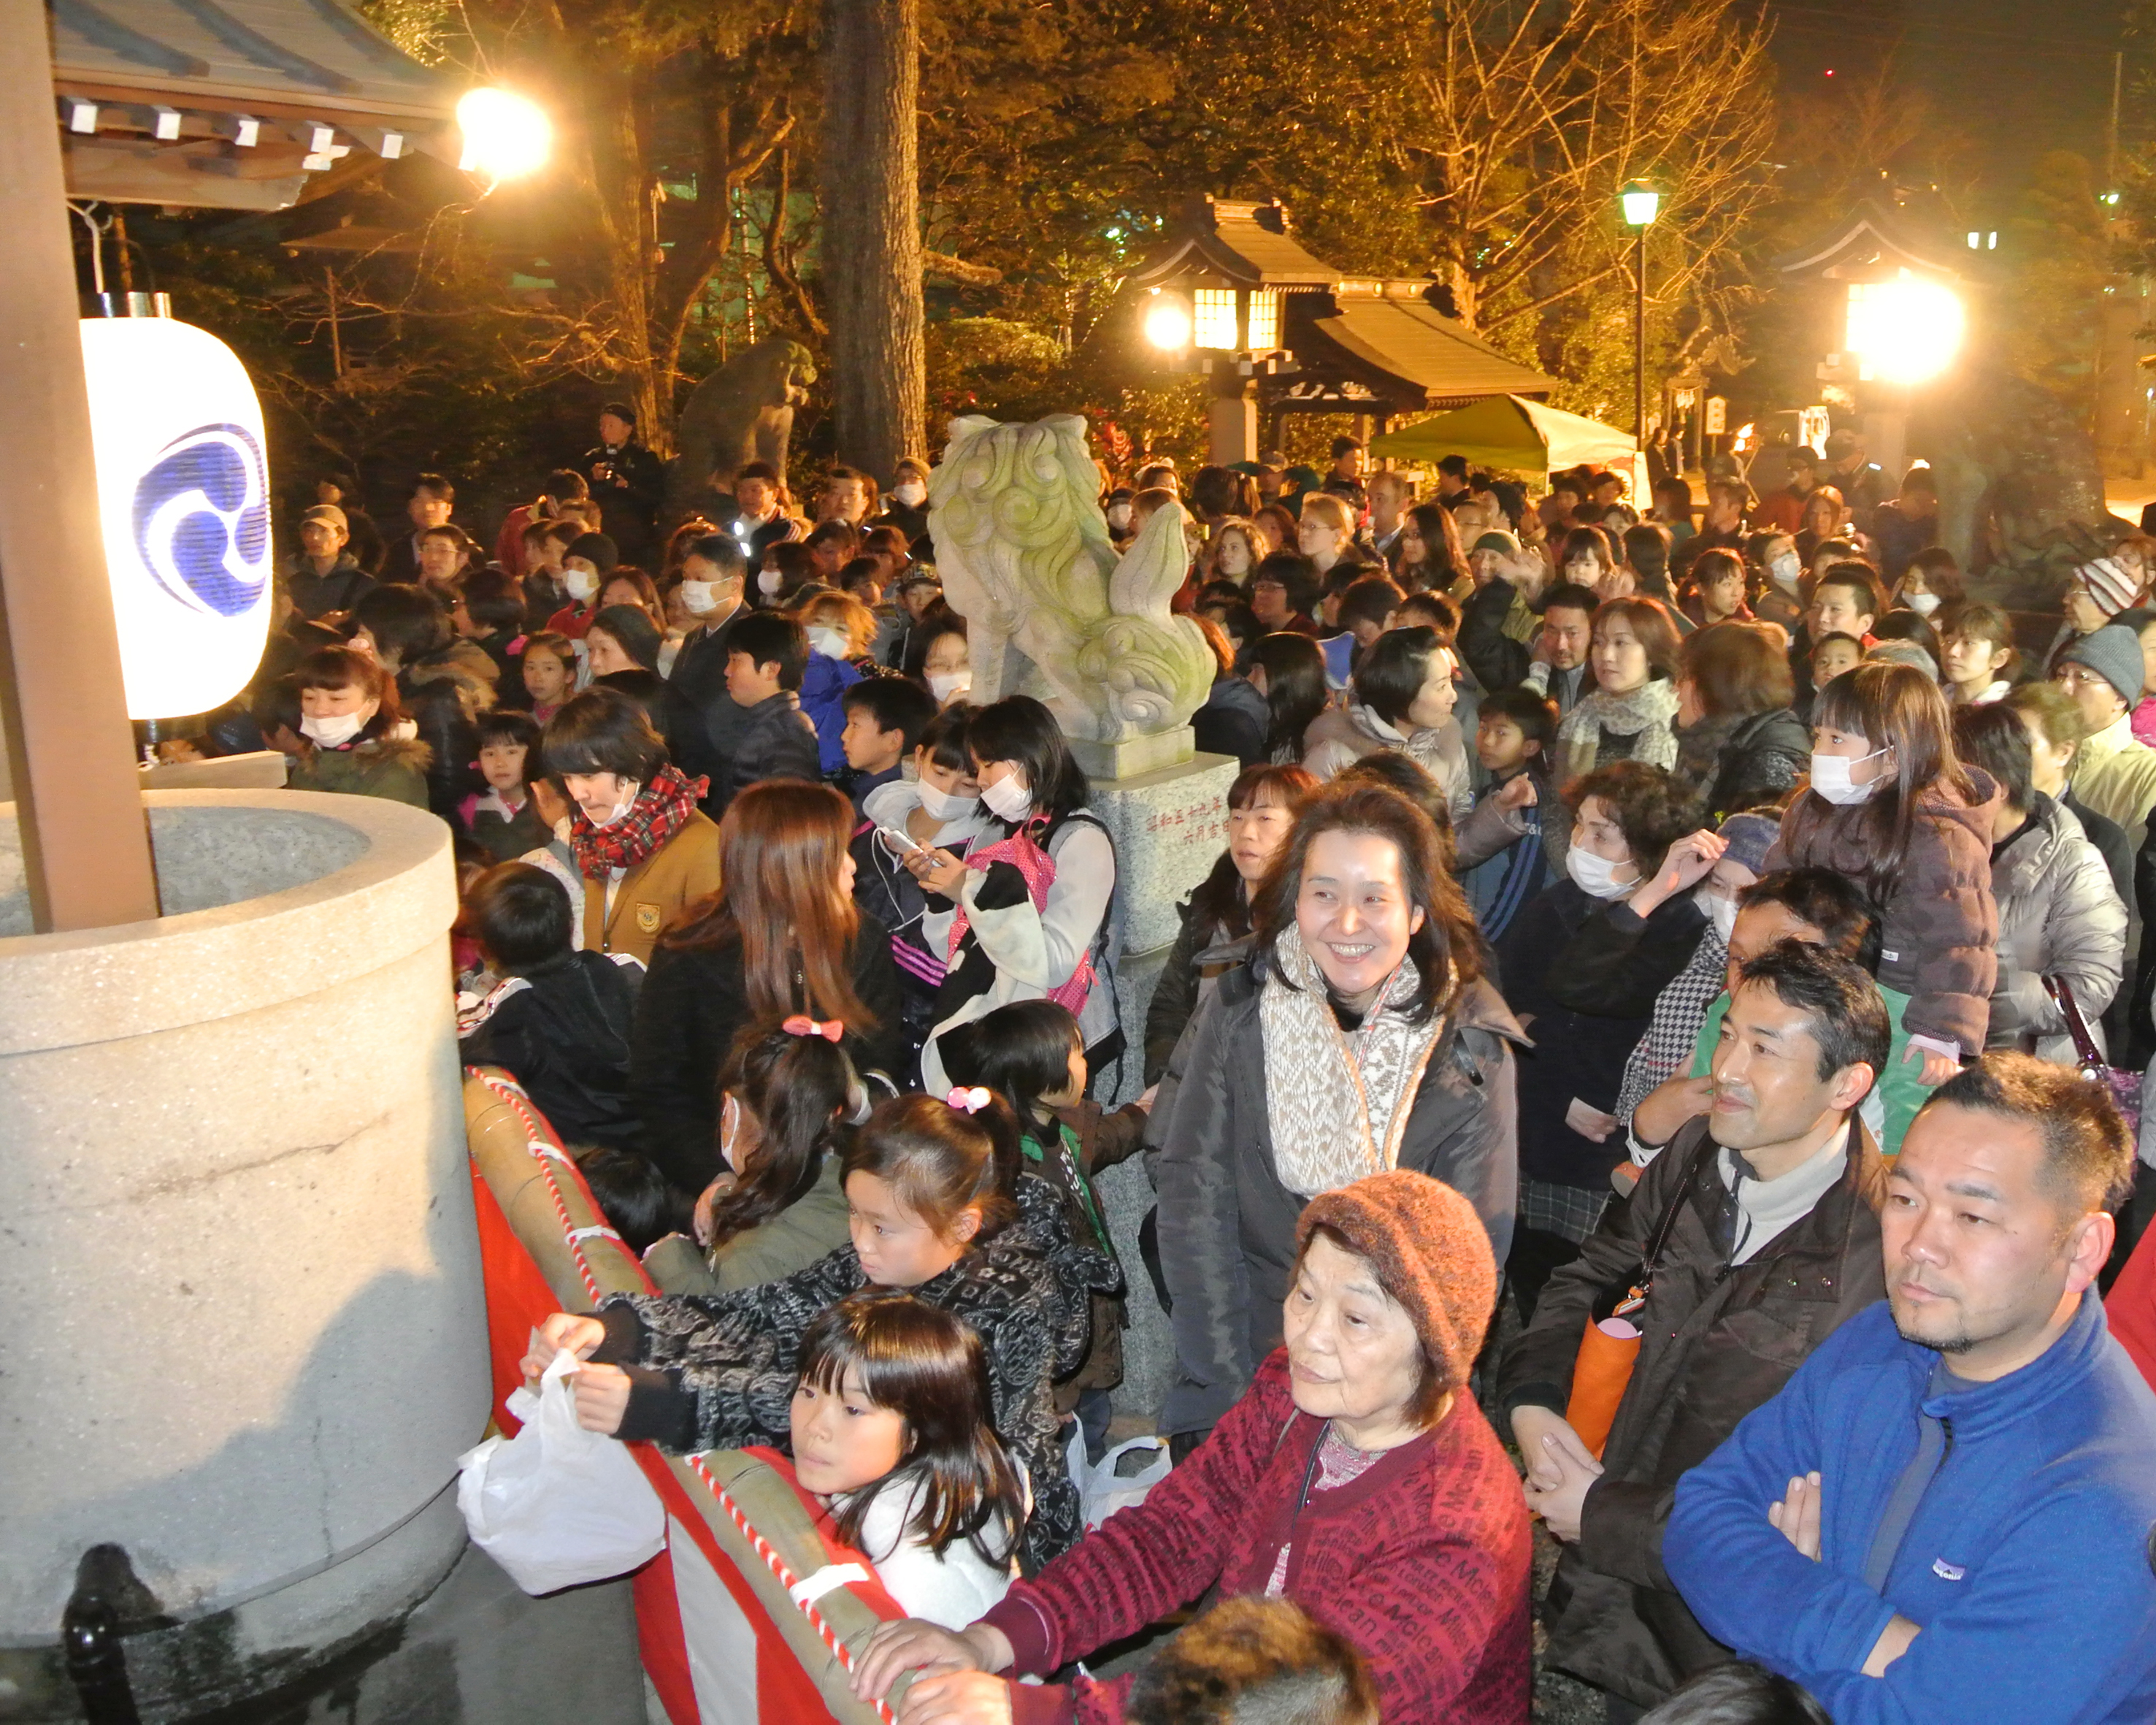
871	230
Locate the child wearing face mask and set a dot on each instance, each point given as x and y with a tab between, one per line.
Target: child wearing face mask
1584	966
356	737
1890	804
892	1431
840	629
789	1100
937	806
1029	912
938	1208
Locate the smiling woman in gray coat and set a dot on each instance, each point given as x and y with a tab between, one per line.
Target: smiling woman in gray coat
2059	915
1359	1037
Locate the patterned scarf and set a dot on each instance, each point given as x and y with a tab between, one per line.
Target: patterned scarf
1648	713
1338	1104
659	812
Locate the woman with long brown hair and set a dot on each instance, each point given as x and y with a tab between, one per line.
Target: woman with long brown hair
1359	1036
782	936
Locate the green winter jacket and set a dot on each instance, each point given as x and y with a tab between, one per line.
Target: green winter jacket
393	767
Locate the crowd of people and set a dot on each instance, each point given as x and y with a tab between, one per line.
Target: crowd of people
1665	1004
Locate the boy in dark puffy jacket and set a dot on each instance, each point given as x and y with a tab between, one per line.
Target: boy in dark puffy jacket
558	1022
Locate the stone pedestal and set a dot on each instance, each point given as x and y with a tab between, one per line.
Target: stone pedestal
1107	763
1170	829
241	1324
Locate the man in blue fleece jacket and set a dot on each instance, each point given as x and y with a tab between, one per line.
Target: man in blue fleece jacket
1946	1516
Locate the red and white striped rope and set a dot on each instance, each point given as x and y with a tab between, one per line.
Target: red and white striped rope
544	1152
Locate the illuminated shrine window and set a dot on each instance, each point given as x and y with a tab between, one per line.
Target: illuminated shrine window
1265	320
1213	314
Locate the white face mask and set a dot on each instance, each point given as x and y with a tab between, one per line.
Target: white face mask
769	582
1922	604
580	585
1597	876
335	730
945	805
697	598
913	493
629	790
1008	800
1830	778
944	684
831	643
1721	910
1785	569
1119	515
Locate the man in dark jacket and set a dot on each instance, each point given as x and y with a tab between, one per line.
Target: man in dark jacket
714	587
1754	1234
1945	1514
627	482
765	655
1505	647
324	577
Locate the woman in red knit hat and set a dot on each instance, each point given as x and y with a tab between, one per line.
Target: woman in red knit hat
1356	1477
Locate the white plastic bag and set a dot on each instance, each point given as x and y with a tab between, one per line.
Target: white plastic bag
1100	1491
556	1505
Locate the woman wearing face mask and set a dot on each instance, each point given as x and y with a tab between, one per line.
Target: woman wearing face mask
783	936
587	564
1402	697
1025	914
1740	743
840	631
1583	966
1631	713
938	808
1214	937
1931	581
1681	1007
905	504
1781	598
1891	806
642	849
357	740
936	656
1359	1036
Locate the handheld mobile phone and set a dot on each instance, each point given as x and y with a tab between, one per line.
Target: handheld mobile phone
904	840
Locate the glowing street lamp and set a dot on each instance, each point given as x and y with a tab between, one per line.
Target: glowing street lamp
1904	330
1168	323
506	136
1641	203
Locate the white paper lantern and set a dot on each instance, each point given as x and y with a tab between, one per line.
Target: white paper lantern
183	488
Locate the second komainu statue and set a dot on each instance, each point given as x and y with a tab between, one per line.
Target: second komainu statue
1050	610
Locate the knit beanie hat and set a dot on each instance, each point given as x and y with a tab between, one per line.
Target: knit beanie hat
597	550
1429	1251
1498	540
2113	653
2109	582
1749	838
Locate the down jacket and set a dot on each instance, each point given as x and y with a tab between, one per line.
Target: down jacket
2058	915
1938	930
1718	1341
1227	1223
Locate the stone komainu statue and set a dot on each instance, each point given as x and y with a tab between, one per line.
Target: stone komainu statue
1024	552
742	412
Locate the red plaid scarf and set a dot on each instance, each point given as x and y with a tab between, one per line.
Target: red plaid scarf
660	809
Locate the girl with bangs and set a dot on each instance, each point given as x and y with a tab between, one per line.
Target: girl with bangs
1890	804
358	740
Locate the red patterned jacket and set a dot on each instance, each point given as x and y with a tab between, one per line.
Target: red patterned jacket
1421	1562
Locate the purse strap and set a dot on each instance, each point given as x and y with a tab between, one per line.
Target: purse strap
2062	991
1648	1265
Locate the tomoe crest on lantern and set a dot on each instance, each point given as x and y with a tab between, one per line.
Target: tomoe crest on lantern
202	519
183	489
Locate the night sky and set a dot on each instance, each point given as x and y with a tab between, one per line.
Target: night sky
2019	79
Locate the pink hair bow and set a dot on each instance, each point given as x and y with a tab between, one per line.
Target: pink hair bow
801	1025
972	1101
